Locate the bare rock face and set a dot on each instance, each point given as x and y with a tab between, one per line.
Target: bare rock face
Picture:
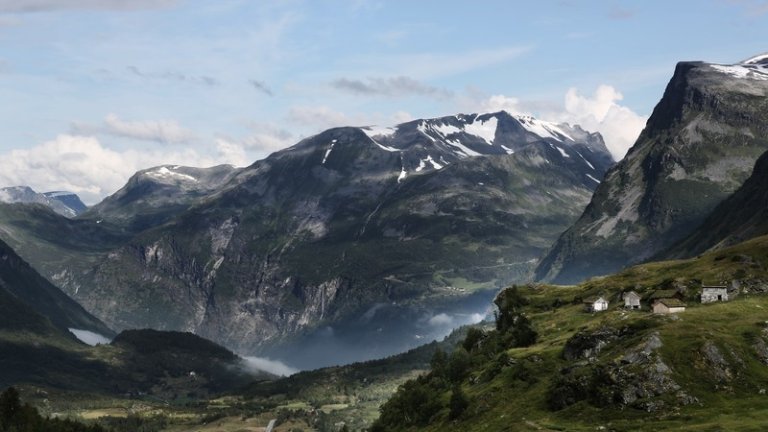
715	363
699	146
587	345
761	346
637	380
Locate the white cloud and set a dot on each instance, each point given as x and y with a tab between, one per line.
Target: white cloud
162	131
232	152
497	103
48	5
83	165
441	319
275	367
323	117
401	117
318	116
600	112
427	65
168	131
390	86
265	138
619	125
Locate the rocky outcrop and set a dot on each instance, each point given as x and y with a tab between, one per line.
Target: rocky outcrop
637	380
587	345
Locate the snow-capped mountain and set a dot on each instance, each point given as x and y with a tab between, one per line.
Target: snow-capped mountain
70	200
699	146
434	143
426	215
153	195
64	203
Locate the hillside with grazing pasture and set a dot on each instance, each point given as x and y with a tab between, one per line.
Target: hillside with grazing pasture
702	369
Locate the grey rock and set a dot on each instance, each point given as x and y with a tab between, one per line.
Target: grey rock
681	167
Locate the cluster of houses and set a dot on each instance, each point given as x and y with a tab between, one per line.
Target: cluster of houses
660	301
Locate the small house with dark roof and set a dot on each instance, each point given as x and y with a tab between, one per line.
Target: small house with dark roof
595	304
631	300
713	293
665	294
667	306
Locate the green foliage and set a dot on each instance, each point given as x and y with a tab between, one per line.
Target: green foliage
514	327
458	403
15	417
474	337
458	365
135	423
522	333
509	303
414	404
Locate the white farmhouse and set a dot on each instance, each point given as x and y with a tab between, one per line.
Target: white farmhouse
595	304
711	294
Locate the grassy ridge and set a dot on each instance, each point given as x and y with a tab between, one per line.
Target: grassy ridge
703	370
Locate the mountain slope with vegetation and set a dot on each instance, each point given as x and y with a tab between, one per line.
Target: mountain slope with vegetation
705	368
741	216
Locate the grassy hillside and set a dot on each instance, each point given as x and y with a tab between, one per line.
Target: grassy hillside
705	369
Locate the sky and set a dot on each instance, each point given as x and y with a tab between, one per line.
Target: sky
95	90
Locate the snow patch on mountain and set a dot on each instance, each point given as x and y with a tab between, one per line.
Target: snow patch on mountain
562	152
485	129
164	173
756	59
446	129
423	127
378	131
328	151
743	71
428	159
464	150
542	128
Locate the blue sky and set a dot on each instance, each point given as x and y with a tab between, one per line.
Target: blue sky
97	89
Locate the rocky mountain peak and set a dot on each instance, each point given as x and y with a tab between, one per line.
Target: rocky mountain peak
698	147
66	204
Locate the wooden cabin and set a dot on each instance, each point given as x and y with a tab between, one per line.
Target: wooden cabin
631	300
667	306
595	304
716	293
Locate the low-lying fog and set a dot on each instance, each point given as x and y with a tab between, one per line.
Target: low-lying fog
382	330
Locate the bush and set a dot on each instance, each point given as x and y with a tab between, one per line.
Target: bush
473	339
458	403
458	365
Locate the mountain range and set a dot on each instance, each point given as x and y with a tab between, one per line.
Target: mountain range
362	241
64	203
339	233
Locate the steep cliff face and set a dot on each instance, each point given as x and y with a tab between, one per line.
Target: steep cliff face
698	147
25	296
740	217
370	232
